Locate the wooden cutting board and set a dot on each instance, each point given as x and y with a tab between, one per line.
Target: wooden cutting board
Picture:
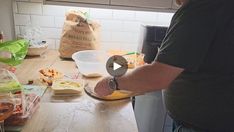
116	95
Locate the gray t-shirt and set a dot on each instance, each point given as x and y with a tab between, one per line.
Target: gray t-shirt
200	39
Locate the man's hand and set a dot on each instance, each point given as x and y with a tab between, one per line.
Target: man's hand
102	87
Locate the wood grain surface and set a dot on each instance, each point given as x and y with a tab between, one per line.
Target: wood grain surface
73	113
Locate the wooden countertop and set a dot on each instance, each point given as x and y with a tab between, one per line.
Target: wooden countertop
73	113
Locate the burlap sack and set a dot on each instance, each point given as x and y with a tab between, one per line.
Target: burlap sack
78	34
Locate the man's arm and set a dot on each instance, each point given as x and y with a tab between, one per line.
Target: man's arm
147	78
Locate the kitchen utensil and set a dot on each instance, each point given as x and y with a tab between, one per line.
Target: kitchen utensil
91	63
117	95
130	53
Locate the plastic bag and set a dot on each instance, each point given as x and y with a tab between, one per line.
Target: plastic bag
13	52
8	82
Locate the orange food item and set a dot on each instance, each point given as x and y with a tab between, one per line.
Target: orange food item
32	102
118	95
49	75
132	59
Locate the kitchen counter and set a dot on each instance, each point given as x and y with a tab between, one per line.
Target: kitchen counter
73	113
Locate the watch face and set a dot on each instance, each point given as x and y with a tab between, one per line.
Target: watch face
112	84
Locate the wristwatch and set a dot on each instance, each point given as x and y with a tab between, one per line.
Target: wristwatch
113	84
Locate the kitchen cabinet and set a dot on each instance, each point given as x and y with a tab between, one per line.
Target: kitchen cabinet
166	4
104	2
141	5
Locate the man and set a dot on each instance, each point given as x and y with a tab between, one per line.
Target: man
194	66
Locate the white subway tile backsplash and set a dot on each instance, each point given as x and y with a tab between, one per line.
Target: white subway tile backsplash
164	17
43	21
29	8
59	21
105	36
112	25
71	8
14	6
51	43
57	43
22	19
54	10
131	26
52	33
122	37
160	23
30	28
136	37
120	29
129	47
17	31
146	16
100	13
151	23
118	46
22	30
83	9
123	15
110	46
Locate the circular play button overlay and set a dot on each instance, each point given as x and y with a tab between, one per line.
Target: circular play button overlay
116	66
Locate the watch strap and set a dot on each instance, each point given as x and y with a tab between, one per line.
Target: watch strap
117	84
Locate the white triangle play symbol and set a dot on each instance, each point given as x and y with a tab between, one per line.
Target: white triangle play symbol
116	66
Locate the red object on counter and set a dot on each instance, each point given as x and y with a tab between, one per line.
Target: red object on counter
21	115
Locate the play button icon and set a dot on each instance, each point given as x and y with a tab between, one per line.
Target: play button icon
116	66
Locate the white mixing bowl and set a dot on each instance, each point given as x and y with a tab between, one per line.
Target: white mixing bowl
91	63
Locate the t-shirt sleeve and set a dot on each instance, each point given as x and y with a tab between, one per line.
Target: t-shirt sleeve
189	36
